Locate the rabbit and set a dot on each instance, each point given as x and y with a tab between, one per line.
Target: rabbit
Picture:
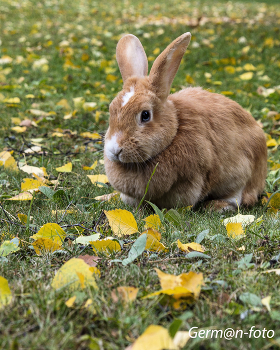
207	148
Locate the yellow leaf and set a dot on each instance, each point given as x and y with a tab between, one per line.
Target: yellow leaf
11	164
97	115
98	178
67	168
25	196
154	245
31	185
235	230
269	42
246	76
95	271
181	338
81	279
245	49
189	79
89	106
38	113
156	51
85	57
153	233
22	218
154	338
111	78
78	102
271	143
245	220
152	221
66	276
13	100
70	302
45	245
90	135
105	246
249	67
64	103
227	93
230	69
58	134
275	201
52	231
16	120
266	303
1	162
5	293
19	129
122	222
127	294
189	247
92	167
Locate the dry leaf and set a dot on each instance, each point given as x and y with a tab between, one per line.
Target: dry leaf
91	260
122	222
126	294
25	196
52	231
70	302
152	221
5	293
67	168
245	220
106	246
67	276
154	338
98	178
45	245
189	247
235	230
92	167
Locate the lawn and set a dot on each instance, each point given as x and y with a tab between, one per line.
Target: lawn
58	74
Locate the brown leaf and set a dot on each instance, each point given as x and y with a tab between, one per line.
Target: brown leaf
91	260
26	122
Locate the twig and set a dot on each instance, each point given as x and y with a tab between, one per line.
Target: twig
17	224
64	212
5	213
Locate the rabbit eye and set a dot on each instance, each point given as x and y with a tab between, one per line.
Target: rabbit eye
145	116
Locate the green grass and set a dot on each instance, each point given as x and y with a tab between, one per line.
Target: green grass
38	318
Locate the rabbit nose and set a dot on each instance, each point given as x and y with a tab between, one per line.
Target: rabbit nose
118	153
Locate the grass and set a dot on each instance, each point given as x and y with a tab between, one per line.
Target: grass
78	40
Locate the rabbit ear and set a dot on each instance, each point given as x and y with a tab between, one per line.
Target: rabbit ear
131	57
166	65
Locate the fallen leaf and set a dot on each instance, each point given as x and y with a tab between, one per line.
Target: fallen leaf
45	245
122	222
11	164
266	303
154	338
152	221
92	167
106	197
89	135
7	248
5	292
25	196
156	234
67	168
106	246
245	220
235	230
85	240
70	302
64	104
89	106
126	294
189	247
66	276
31	185
52	231
154	245
22	218
98	178
91	260
33	169
246	76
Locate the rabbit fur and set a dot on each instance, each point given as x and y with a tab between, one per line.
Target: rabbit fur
206	145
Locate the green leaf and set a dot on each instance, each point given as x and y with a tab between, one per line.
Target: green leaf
173	217
86	239
244	263
250	299
174	327
47	191
200	237
136	250
157	211
192	255
7	248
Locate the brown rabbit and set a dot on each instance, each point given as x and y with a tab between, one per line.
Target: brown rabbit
207	146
